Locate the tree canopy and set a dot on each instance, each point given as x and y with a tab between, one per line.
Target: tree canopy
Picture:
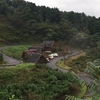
24	21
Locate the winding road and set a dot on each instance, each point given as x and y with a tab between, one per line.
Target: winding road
52	63
10	61
82	76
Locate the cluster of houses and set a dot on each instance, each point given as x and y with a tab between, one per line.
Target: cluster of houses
34	54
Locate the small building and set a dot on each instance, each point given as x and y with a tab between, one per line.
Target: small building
38	45
33	57
34	54
36	49
26	54
49	45
37	58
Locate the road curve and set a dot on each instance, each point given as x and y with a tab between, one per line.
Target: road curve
52	63
10	61
82	76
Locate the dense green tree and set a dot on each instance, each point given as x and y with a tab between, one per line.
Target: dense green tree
31	22
93	69
3	7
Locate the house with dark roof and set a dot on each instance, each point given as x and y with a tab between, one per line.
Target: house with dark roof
33	54
26	54
48	45
36	49
38	45
37	58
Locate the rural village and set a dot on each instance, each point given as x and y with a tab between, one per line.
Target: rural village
47	53
40	53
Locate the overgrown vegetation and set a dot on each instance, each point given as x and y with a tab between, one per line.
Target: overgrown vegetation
93	69
15	51
24	22
61	64
75	63
37	82
79	63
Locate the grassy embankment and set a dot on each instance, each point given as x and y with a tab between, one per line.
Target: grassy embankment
65	63
15	51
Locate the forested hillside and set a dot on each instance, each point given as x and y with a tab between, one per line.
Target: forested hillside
22	21
25	22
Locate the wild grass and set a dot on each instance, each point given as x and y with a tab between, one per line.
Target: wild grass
70	63
67	61
15	51
29	82
22	66
83	90
62	65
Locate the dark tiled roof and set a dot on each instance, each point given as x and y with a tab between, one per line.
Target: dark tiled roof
29	52
48	43
34	57
38	48
40	45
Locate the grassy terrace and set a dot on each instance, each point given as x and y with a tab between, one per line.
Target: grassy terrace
15	51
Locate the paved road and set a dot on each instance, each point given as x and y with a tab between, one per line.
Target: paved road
52	63
82	76
10	60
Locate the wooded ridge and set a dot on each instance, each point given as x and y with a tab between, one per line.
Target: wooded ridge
22	21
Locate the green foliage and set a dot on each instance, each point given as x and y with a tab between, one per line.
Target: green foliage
93	69
12	98
22	21
35	82
93	49
69	97
24	65
96	97
80	63
15	51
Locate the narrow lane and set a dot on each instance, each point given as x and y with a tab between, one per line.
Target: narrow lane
52	63
82	76
9	60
